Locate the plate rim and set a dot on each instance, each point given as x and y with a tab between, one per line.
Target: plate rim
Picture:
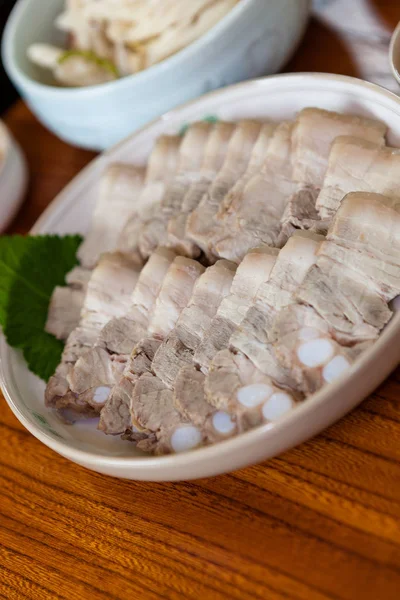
144	467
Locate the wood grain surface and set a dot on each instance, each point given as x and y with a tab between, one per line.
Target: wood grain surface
319	522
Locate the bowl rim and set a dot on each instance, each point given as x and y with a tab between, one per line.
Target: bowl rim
194	458
172	62
393	40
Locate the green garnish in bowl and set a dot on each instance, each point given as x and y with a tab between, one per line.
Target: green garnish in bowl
90	56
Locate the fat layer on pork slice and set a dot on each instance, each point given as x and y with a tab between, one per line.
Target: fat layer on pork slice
120	186
66	303
191	156
201	221
369	223
358	166
313	135
178	348
342	304
214	156
102	365
175	293
254	270
161	169
108	295
252	217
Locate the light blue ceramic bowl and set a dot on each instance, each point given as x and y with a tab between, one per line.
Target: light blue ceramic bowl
257	37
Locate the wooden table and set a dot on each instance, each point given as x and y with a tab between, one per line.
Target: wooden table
321	521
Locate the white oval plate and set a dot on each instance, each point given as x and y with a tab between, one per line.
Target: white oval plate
277	97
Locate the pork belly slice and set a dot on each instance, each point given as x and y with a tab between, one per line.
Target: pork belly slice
176	290
358	166
252	217
228	208
115	416
214	156
120	186
289	270
66	304
171	427
161	169
250	359
201	221
369	223
101	366
313	135
305	346
357	272
346	300
236	387
254	270
191	156
108	295
154	412
342	304
178	348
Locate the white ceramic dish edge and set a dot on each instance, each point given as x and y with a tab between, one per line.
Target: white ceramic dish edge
13	179
309	418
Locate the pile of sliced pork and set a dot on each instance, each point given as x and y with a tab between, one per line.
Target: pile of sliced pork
249	265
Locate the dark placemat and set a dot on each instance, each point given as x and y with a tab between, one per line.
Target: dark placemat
7	91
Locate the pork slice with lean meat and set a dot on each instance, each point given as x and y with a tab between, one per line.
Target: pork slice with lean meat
108	295
342	305
101	365
305	346
254	270
161	169
120	187
191	156
252	217
289	270
201	220
313	135
358	166
174	294
66	303
214	156
178	348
